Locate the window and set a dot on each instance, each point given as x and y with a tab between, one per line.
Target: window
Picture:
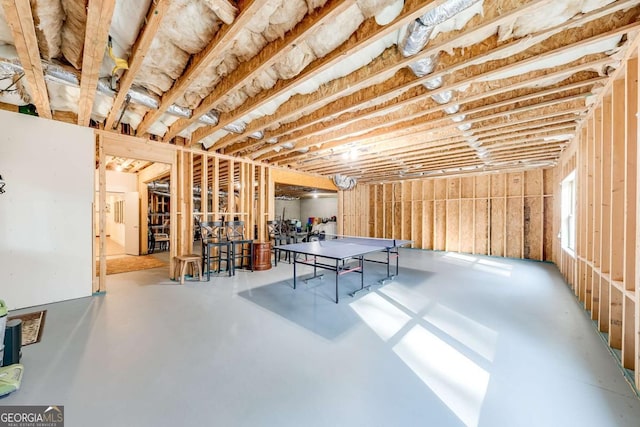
568	227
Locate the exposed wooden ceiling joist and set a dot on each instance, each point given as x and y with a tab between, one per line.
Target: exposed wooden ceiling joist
20	19
368	33
156	13
99	16
266	58
497	67
222	41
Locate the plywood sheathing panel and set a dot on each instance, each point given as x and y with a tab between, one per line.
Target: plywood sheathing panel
615	318
453	225
440	225
628	333
481	233
515	227
467	224
548	229
532	231
498	224
451	214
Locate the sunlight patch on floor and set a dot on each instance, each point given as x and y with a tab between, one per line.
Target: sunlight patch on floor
384	318
455	379
472	334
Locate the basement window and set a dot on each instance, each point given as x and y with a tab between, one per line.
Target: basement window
568	211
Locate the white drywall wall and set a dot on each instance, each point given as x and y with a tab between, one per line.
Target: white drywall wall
45	214
291	209
118	183
322	207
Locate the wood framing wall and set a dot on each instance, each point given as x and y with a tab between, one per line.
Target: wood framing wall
505	214
602	271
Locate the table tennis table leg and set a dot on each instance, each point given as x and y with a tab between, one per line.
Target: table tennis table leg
388	262
294	274
337	276
362	287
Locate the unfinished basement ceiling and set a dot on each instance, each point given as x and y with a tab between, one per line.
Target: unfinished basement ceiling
375	90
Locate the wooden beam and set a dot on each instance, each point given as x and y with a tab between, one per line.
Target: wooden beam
394	139
20	19
262	153
404	81
139	51
369	32
99	17
391	61
222	41
301	179
263	60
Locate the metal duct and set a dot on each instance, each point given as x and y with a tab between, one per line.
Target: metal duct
143	99
105	88
434	83
424	66
415	39
179	111
452	109
445	12
464	127
56	74
443	97
11	67
343	182
272	140
288	145
420	30
237	127
257	135
158	186
459	118
211	118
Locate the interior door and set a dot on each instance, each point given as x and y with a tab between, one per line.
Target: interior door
132	223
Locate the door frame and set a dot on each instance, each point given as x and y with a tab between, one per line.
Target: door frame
112	144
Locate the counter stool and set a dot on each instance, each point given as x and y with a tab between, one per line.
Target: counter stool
181	265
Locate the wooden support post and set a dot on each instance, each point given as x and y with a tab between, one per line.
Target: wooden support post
204	187
605	214
173	212
231	199
215	208
617	186
102	188
263	214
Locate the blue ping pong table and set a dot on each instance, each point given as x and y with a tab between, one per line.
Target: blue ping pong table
342	251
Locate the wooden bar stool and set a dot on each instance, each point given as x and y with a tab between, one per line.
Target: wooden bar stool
182	261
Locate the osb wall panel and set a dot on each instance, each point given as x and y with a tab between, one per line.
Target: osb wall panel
507	214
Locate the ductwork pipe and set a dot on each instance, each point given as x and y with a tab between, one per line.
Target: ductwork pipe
420	30
56	74
434	83
442	97
424	66
237	127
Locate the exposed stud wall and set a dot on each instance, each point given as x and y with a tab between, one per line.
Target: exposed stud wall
603	270
499	214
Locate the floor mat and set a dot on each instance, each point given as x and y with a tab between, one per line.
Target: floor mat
130	263
32	326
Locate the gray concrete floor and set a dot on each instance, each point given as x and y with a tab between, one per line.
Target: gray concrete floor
455	340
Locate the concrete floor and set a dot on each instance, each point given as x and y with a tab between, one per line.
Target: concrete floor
455	340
